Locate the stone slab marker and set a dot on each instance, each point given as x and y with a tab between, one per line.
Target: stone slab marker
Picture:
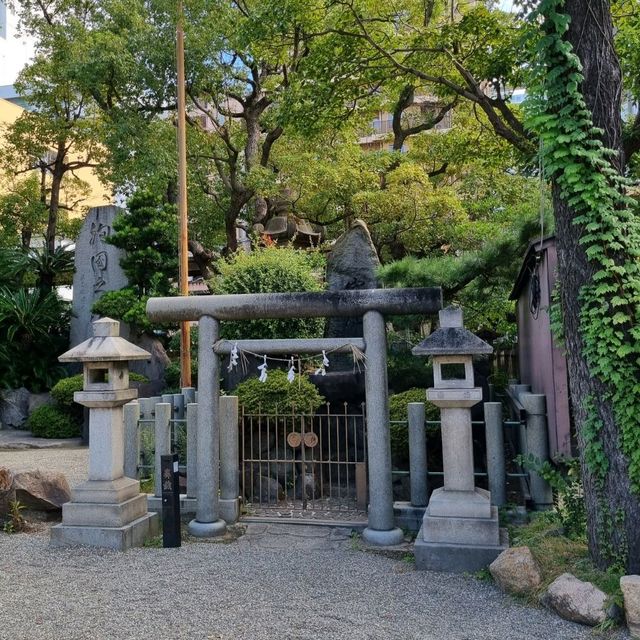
97	269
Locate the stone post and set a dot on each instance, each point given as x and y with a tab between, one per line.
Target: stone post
131	439
417	454
107	510
537	444
229	460
207	522
162	442
381	529
192	450
494	438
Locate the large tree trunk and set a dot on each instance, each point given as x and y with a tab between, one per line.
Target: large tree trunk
613	511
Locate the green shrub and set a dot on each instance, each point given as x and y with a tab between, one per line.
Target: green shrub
278	393
398	412
62	392
125	305
270	270
53	422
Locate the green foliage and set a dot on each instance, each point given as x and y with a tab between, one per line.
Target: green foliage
125	305
62	392
15	521
566	483
398	413
22	212
50	421
581	166
278	394
270	270
33	332
148	233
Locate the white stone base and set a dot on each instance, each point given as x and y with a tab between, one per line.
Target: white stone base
460	504
118	538
473	531
188	506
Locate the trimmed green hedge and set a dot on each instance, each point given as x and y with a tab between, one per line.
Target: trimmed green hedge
50	421
278	393
398	412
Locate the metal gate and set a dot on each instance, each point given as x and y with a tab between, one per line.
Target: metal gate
305	465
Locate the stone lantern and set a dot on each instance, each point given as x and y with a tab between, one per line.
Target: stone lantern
107	510
460	527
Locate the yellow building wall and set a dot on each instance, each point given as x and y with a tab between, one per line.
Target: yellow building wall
98	194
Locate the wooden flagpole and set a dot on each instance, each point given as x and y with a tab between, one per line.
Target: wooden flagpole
183	248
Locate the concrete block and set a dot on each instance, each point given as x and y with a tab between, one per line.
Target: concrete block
230	510
131	535
106	491
461	504
456	558
475	531
94	514
407	516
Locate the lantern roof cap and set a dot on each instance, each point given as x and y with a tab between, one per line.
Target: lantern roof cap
451	338
105	345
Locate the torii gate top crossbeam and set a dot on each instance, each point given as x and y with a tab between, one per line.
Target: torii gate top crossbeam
315	304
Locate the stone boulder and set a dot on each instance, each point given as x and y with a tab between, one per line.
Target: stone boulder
575	600
6	493
516	571
14	407
41	490
630	587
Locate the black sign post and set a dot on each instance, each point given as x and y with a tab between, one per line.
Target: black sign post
170	501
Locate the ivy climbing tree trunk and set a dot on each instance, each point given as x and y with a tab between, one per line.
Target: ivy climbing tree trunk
611	493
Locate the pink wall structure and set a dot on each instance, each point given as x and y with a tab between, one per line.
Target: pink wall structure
542	363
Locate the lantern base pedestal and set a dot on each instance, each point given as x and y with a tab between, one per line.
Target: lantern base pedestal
133	534
456	558
106	513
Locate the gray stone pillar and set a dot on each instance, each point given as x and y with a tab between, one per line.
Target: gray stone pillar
162	441
457	449
494	438
192	450
131	440
207	522
380	529
229	460
417	454
537	445
189	394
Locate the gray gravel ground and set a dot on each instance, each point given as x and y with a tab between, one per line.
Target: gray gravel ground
72	462
277	581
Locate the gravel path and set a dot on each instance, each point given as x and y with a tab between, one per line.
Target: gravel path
288	583
72	462
276	581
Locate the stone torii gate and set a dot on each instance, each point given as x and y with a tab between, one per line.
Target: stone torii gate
371	304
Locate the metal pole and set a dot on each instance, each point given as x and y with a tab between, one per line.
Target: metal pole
417	454
494	438
183	249
207	522
381	528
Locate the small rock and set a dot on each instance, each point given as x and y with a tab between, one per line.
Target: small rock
575	600
516	571
14	407
630	586
41	490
